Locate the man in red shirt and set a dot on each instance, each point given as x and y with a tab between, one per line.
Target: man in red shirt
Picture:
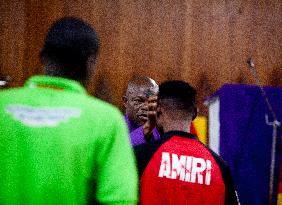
178	168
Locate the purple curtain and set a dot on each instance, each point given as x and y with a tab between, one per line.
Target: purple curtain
246	139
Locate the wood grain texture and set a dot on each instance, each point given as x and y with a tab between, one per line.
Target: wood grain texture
12	25
203	42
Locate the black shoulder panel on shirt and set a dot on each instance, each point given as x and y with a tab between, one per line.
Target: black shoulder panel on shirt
144	153
230	193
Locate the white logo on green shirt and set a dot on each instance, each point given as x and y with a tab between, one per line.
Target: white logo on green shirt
42	116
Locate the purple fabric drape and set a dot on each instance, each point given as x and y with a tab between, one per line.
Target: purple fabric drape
246	139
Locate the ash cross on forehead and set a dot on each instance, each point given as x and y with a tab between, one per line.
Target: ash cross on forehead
143	84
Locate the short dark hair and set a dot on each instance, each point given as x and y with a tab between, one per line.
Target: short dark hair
177	95
68	45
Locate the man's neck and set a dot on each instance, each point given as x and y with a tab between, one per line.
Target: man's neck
183	126
53	70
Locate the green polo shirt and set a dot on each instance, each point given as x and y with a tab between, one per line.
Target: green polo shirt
60	146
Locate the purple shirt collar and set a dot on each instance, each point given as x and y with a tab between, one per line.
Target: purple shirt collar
136	133
130	124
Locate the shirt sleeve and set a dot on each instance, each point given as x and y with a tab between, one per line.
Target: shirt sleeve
116	174
231	197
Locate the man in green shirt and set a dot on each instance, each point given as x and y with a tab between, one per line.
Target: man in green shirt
57	144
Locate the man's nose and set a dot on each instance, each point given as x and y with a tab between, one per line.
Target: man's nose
144	106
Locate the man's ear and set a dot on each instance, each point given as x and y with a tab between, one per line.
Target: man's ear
124	100
195	113
91	63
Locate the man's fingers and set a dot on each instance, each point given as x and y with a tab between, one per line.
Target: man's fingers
152	99
152	113
152	117
152	106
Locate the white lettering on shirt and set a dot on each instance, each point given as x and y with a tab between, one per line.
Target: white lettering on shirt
185	168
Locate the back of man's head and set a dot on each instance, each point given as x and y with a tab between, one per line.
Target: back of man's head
177	97
71	45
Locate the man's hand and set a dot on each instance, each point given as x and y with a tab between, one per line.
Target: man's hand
150	124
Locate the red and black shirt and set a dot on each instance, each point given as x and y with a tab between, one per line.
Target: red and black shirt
179	169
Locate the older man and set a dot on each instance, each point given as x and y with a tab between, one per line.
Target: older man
140	105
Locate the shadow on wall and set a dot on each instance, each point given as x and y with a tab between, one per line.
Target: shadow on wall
102	90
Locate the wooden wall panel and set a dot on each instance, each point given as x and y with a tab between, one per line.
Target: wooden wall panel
12	25
39	16
203	42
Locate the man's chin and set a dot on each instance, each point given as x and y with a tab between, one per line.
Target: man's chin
141	121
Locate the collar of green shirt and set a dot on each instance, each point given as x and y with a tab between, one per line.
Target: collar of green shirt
57	83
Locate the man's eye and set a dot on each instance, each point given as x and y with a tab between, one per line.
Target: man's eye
138	100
